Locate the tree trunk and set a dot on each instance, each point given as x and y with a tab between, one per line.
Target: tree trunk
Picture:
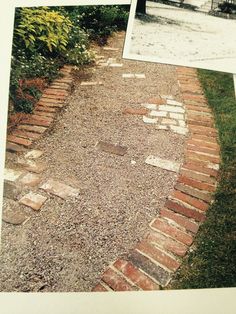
141	7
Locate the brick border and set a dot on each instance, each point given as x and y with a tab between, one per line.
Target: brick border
153	261
32	126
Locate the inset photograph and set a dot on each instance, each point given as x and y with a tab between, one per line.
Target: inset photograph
194	33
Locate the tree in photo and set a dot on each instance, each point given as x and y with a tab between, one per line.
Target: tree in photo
141	6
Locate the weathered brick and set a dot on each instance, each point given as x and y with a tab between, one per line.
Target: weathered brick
158	256
135	111
54	91
135	275
33	200
168	121
166	243
25	134
204	144
34	154
116	282
59	189
180	196
200	123
172	231
156	100
205	196
46	109
99	288
12	175
163	163
30	180
19	140
199	149
14	148
198	176
149	267
198	108
196	184
203	130
186	211
37	120
201	156
195	167
179	219
44	114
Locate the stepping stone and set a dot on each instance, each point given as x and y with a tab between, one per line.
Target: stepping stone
30	180
35	201
110	49
174	103
111	148
12	175
150	106
171	109
163	163
34	154
140	76
155	113
179	130
90	83
14	217
31	165
168	121
150	120
59	189
116	65
10	190
177	116
128	75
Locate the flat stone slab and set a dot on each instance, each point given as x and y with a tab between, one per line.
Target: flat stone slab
177	116
12	175
174	103
171	108
14	217
59	189
140	76
33	200
155	113
179	130
150	106
30	179
110	49
90	83
14	148
111	148
163	163
150	120
133	75
34	154
31	165
10	190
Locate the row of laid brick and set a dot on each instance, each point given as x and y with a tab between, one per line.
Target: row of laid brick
32	126
151	264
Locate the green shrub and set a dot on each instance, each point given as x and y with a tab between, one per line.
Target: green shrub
41	29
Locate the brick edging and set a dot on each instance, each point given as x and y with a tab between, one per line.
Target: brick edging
33	125
154	260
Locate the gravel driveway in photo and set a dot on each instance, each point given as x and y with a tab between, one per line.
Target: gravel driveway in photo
185	37
68	243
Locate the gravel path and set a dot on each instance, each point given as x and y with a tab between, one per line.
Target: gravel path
185	37
68	244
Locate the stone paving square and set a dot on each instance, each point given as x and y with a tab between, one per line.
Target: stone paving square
163	163
33	200
34	154
12	175
59	189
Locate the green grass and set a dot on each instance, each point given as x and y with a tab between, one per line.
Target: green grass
213	263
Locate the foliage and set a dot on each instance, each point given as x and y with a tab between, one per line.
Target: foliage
42	29
212	264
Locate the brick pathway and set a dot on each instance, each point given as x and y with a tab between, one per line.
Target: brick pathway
151	264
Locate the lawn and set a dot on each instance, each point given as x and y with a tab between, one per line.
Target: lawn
213	263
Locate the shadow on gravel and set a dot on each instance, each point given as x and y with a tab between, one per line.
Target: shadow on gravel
148	18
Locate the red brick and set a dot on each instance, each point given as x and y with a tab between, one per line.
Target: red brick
99	288
204	144
19	140
50	97
198	176
180	220
64	80
172	231
195	167
203	130
198	108
138	111
187	96
36	121
199	149
188	212
157	101
25	134
200	123
166	243
46	100
135	275
116	282
46	109
190	155
44	114
202	195
196	184
190	200
52	91
158	256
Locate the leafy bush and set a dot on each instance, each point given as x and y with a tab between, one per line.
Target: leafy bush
42	29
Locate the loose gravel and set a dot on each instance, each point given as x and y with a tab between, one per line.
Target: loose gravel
68	244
